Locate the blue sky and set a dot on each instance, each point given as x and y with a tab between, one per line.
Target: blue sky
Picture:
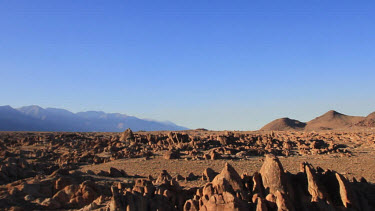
214	64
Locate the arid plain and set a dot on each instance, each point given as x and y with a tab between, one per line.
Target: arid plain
188	170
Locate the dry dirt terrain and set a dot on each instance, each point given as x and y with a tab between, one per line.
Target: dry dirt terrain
188	170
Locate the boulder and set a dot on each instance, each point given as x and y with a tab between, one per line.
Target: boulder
209	174
113	172
127	135
228	180
171	155
273	176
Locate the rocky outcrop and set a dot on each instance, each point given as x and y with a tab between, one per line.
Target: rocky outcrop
273	175
41	171
274	189
208	174
171	154
70	150
56	191
127	135
145	196
271	188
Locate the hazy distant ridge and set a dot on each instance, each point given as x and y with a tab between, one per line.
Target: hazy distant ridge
35	118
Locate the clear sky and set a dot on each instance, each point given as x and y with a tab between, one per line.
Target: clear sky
213	64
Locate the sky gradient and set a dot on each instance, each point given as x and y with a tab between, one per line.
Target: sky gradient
232	65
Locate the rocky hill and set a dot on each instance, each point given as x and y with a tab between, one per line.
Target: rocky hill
283	124
369	121
332	120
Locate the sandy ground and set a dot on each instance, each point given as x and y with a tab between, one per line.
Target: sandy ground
361	164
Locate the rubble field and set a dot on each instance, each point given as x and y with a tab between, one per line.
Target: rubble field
187	170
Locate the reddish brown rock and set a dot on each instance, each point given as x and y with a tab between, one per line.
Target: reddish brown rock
209	174
127	135
261	205
171	155
273	176
113	172
51	204
191	205
314	188
228	180
347	195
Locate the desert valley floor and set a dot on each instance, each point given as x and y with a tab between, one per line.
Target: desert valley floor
188	170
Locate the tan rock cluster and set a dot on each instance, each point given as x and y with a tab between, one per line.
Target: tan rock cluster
40	171
164	194
69	150
12	169
270	189
274	189
60	190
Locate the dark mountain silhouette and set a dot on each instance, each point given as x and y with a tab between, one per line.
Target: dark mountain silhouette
332	120
284	124
35	118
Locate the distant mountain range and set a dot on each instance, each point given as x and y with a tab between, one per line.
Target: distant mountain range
332	120
35	118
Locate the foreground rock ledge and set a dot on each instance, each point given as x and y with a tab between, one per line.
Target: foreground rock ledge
271	188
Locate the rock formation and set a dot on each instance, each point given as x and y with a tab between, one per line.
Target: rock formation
43	171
